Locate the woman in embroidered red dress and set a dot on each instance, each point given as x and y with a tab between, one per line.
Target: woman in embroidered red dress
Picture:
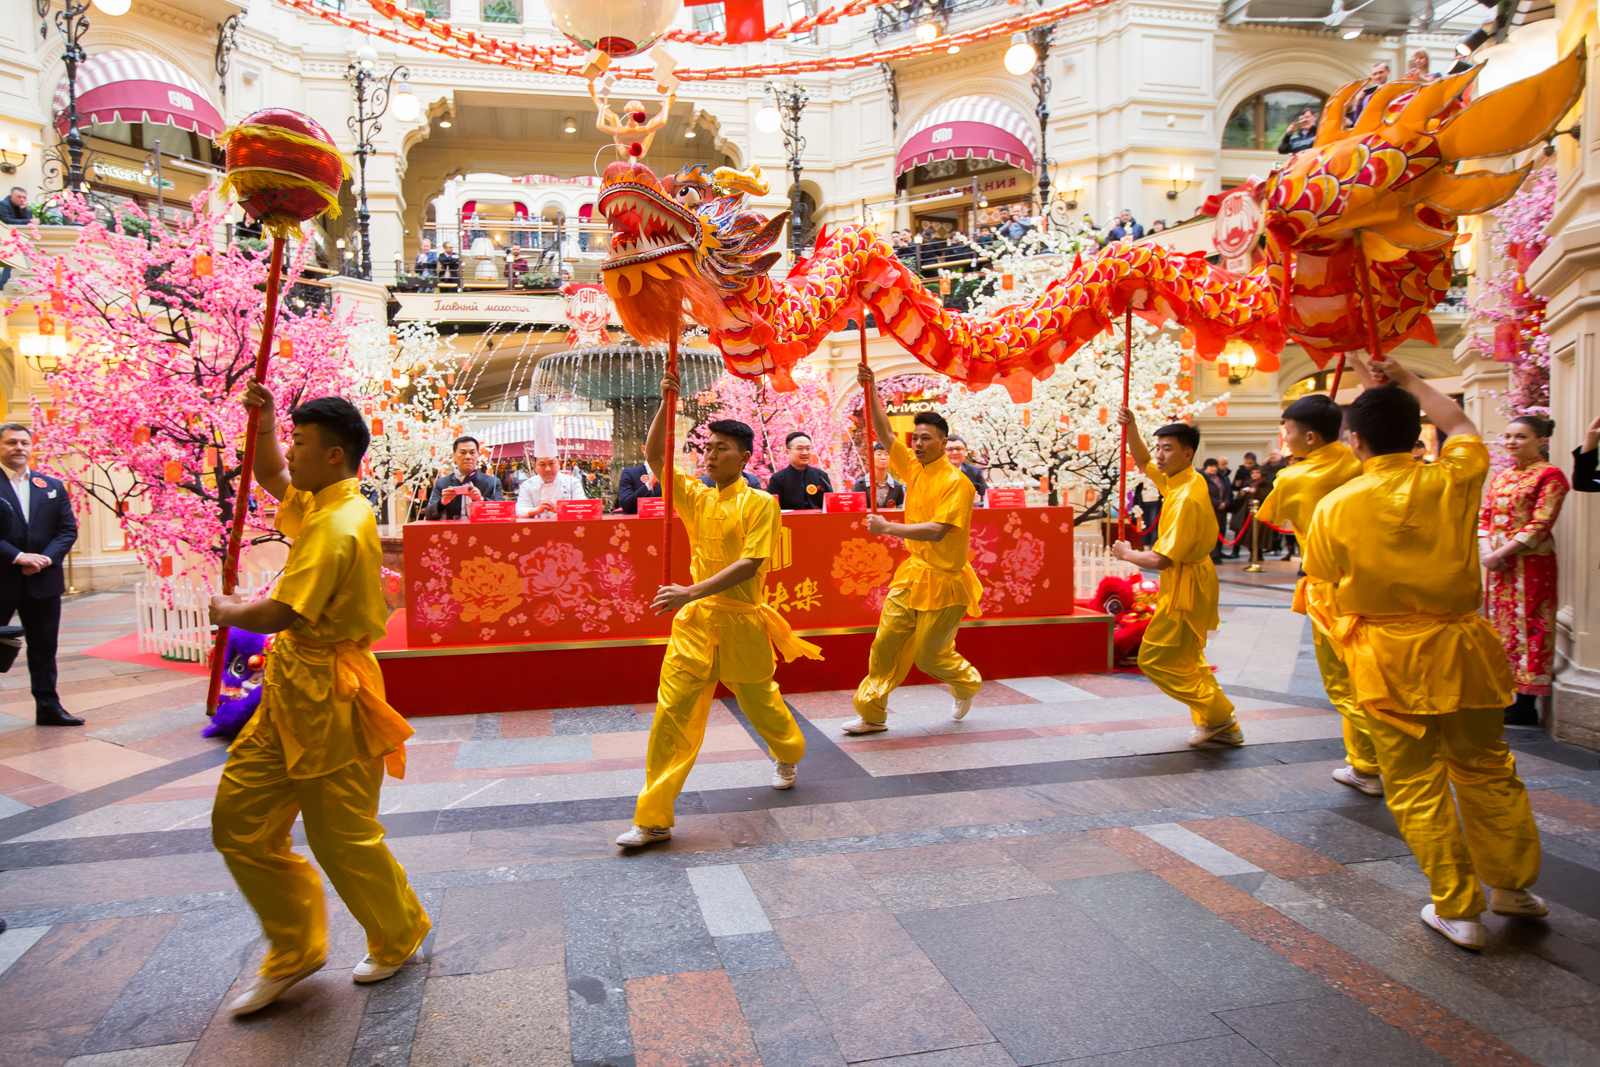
1520	507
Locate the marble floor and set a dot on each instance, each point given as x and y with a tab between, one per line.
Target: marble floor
1057	879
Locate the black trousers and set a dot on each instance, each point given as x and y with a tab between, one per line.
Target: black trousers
41	628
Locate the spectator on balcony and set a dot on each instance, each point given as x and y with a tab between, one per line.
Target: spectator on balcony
426	265
1157	226
985	236
1419	66
1301	134
1126	229
1358	103
1016	227
449	267
14	212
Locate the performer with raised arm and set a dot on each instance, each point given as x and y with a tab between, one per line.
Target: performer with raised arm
1173	653
1398	546
1311	427
723	629
319	743
935	586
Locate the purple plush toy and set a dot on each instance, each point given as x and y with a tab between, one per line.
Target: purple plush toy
241	682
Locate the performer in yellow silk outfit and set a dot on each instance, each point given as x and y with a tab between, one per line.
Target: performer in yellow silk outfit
934	586
1173	652
1398	544
1311	429
724	631
322	737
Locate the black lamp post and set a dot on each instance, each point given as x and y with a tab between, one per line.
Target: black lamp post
790	103
373	94
1039	37
64	162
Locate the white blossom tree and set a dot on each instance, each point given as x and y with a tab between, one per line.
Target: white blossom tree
408	389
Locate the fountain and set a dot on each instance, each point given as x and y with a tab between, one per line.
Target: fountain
628	378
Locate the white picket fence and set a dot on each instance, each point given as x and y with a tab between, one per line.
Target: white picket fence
173	613
1091	564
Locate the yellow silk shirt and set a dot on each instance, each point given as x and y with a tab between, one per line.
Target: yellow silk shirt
1295	495
322	693
937	574
734	629
1186	534
1398	543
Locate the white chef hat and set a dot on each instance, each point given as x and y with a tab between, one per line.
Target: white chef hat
544	437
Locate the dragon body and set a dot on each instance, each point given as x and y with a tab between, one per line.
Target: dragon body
1380	200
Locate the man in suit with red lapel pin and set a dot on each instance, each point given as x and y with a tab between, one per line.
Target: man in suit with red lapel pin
31	582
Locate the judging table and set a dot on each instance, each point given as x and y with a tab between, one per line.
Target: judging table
566	606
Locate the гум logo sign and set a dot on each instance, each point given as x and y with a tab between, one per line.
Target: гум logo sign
180	100
943	134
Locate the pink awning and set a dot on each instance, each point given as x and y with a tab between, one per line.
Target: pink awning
124	85
969	127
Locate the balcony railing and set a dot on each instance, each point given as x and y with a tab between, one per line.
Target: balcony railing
890	19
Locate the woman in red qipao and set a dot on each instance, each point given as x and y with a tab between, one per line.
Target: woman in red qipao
1515	543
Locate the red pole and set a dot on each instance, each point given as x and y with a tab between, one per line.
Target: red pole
1127	373
241	498
866	410
1368	311
670	402
1338	372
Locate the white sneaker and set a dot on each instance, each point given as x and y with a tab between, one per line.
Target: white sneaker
959	708
783	775
1226	734
264	990
1468	933
370	970
645	835
1370	784
1518	902
862	726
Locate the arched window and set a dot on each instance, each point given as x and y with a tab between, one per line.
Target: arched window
1259	121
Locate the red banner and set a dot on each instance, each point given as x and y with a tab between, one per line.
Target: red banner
555	581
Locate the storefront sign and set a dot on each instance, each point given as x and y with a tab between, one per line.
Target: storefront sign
111	172
487	307
588	311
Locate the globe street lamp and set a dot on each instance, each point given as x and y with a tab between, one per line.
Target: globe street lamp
373	94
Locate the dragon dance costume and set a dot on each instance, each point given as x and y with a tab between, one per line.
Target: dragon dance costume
1295	495
1173	653
725	638
318	747
930	592
1522	504
1397	546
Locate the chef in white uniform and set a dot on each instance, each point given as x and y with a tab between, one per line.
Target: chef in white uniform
538	495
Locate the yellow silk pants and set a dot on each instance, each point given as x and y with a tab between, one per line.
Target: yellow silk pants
679	728
907	636
1494	838
1358	750
250	823
1173	656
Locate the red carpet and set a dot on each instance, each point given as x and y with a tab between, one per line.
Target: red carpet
126	650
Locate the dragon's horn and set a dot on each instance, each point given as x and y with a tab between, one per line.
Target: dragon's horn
1514	117
743	181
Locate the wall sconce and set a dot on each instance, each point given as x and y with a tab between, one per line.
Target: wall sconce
43	352
1238	359
1072	189
13	146
1177	174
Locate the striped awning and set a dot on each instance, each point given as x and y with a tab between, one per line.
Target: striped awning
970	127
125	85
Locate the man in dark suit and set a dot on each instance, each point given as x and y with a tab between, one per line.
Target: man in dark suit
955	450
31	582
467	483
799	486
1221	493
634	484
891	491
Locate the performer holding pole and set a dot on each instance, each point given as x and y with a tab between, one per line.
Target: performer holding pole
935	586
1398	547
1311	429
319	743
722	628
1173	653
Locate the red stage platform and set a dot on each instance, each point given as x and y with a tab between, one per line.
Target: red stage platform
522	616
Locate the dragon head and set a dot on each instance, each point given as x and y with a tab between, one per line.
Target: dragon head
684	242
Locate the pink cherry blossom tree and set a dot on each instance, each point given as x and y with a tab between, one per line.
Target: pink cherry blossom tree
162	329
1512	314
811	406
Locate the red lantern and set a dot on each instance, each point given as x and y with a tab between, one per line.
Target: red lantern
285	348
172	471
1083	442
377	427
1105	416
284	169
166	566
202	265
1222	409
1008	282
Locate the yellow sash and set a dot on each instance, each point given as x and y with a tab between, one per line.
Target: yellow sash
779	632
383	727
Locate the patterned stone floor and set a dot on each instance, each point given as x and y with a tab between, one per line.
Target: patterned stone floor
1054	880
